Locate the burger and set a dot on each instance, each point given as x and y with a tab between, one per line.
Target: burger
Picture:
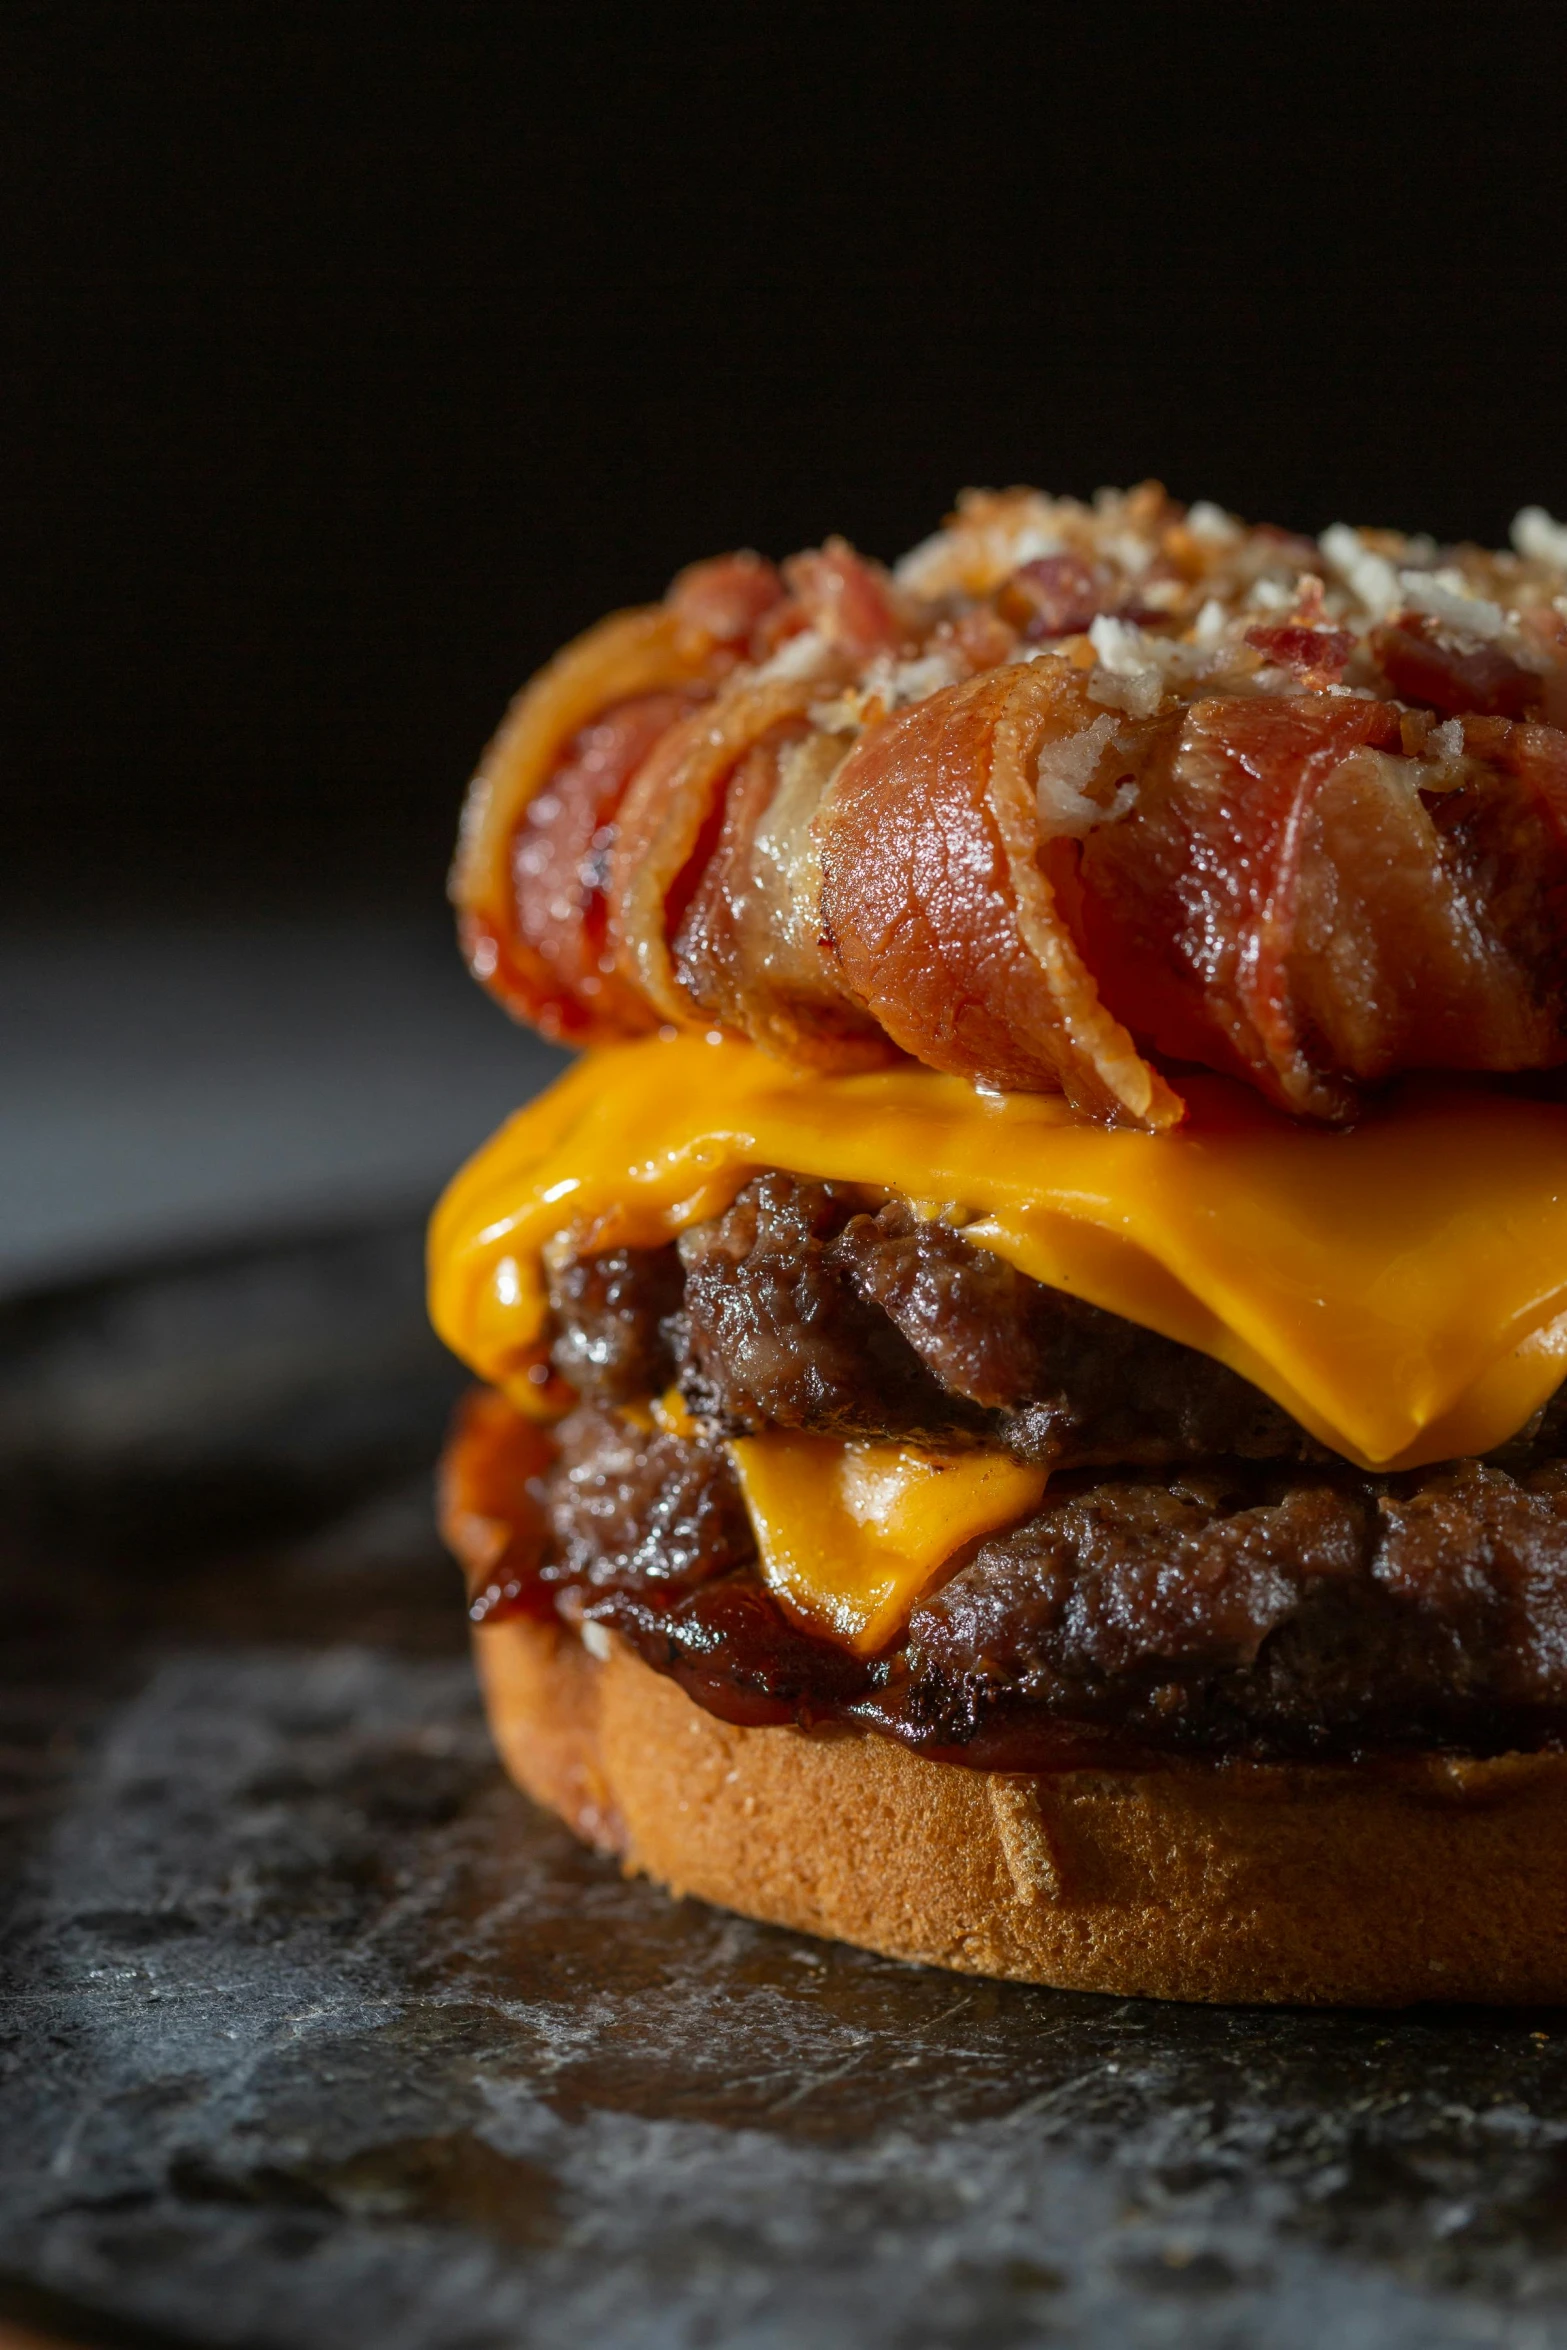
1022	1419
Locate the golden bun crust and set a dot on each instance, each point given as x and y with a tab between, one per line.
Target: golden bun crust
1436	1879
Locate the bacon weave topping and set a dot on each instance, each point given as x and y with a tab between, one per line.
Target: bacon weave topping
1074	793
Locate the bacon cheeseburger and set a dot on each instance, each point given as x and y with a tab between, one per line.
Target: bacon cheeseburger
1023	1420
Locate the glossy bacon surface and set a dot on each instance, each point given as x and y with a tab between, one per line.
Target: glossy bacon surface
943	917
1074	796
560	863
748	943
625	659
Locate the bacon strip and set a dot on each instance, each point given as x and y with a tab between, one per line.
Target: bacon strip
941	915
748	947
1221	821
629	656
560	861
851	602
1421	666
1285	904
672	820
1504	833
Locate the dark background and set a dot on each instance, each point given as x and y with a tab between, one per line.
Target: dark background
358	355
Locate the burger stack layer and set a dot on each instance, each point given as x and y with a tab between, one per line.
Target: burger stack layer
1056	1250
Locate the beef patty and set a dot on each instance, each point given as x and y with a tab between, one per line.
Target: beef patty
1249	1608
1201	1577
811	1305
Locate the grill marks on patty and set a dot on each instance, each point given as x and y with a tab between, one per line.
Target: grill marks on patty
809	1306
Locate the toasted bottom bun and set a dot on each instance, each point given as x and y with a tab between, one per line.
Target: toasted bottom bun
1435	1879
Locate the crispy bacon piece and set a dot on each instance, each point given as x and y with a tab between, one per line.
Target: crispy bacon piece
1504	837
748	948
1422	665
673	821
570	929
939	910
747	806
727	597
852	602
560	865
631	655
980	639
1284	903
1318	653
1056	595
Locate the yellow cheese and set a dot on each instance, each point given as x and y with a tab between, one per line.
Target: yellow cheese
670	1414
849	1534
1402	1289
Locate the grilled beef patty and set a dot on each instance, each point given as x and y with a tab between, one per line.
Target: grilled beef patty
1249	1608
809	1305
1257	1596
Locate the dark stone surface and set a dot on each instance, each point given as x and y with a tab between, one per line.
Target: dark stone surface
312	2032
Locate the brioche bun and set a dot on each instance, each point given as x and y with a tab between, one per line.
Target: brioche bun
1379	1885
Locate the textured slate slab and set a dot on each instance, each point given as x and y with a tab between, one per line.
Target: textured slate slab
312	2032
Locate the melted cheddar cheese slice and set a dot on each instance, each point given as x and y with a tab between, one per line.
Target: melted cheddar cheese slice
849	1534
1401	1289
